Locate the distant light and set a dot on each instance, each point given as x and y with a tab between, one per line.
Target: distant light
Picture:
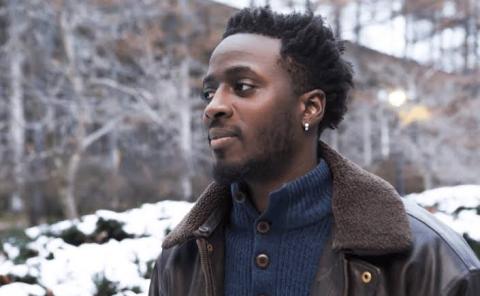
397	98
416	113
382	95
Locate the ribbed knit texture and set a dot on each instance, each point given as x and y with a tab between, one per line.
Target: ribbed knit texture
300	218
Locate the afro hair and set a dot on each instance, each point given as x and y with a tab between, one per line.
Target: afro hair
309	51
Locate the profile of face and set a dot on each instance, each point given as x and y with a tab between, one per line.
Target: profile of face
252	117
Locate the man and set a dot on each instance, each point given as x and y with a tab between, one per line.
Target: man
287	215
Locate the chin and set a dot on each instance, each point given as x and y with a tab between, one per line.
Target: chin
221	158
227	172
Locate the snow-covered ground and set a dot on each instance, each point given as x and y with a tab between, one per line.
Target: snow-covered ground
110	253
119	267
458	207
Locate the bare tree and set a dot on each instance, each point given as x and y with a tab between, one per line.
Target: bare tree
16	101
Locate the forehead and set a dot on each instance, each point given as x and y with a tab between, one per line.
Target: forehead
260	53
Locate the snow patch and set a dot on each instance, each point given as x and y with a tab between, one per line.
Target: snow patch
457	207
71	270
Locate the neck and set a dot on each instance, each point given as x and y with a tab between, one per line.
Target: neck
297	167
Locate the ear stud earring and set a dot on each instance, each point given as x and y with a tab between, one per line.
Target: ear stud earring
306	126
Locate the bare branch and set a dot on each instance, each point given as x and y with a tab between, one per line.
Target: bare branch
142	96
97	134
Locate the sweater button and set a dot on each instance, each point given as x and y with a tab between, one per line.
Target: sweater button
262	261
263	227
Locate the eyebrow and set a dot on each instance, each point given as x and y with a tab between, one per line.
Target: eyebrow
229	72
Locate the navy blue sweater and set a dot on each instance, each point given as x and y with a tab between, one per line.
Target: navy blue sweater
277	252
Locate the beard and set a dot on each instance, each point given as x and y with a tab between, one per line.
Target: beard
274	151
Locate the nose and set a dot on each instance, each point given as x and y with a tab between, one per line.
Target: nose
218	107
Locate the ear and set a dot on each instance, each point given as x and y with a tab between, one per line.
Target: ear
313	107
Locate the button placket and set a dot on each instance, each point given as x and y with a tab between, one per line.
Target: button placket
264	249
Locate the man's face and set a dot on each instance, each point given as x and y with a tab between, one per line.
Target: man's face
252	114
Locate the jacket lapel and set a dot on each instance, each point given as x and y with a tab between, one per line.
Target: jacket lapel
206	214
368	213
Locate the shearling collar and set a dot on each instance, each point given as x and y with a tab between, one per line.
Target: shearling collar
369	217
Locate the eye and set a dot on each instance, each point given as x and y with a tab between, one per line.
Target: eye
243	88
207	94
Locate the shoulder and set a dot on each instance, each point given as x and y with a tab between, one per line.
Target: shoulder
427	230
441	252
174	267
178	255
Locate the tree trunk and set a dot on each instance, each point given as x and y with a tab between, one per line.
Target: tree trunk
308	5
476	40
466	46
37	205
185	115
384	134
67	24
427	179
338	21
186	131
407	35
115	159
68	191
17	113
358	21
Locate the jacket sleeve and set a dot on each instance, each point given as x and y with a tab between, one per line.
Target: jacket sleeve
467	286
154	288
158	284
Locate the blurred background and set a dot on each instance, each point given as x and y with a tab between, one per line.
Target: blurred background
100	107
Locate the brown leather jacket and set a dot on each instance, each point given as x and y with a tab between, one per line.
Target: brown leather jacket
379	246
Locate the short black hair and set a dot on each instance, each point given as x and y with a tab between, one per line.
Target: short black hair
311	53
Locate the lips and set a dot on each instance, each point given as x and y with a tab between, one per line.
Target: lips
220	138
218	133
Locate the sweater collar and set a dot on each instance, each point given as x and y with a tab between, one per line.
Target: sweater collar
368	215
301	202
